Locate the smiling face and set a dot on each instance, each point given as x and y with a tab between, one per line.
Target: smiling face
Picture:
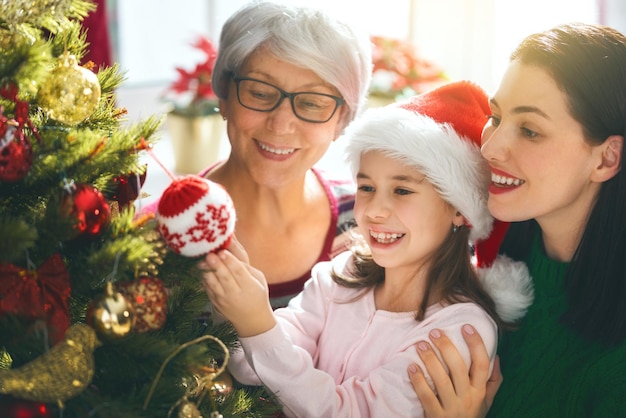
276	147
541	164
401	214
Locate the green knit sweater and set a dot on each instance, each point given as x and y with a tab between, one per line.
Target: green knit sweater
548	370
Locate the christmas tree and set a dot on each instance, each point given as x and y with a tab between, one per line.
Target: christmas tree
99	317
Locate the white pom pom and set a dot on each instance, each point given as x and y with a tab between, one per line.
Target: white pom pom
509	284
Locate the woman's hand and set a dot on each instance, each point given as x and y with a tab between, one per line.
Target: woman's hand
238	291
459	394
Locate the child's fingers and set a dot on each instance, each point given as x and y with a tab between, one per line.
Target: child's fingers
237	250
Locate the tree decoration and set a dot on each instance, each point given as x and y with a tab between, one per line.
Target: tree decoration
57	375
71	93
19	408
219	383
186	408
85	205
127	188
23	11
112	315
196	216
16	154
38	294
149	299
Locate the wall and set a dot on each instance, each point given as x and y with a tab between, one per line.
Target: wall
469	38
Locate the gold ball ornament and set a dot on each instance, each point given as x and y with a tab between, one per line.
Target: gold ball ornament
112	315
16	12
222	385
57	375
71	93
218	381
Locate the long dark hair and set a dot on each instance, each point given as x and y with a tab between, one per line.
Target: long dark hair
588	63
451	276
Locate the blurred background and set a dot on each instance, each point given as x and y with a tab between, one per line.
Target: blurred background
467	39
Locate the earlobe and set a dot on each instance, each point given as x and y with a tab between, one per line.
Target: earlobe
222	108
611	158
458	219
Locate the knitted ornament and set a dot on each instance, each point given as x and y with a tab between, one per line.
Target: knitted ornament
439	134
195	216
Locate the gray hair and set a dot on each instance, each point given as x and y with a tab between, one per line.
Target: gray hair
305	37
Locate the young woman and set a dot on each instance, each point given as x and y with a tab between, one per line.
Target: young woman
555	145
342	346
289	80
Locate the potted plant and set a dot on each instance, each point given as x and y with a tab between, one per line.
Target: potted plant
194	124
399	72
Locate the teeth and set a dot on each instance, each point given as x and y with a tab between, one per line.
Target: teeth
505	181
384	238
283	151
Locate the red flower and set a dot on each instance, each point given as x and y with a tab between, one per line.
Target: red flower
195	85
399	70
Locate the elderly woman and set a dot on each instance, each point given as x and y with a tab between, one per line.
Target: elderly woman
289	80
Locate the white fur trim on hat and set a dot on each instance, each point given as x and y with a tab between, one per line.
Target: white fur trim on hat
451	163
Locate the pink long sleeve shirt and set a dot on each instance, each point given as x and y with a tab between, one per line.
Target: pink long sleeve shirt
331	356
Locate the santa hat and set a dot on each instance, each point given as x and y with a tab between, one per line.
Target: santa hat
195	216
439	133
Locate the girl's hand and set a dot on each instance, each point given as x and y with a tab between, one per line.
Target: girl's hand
237	250
459	394
239	292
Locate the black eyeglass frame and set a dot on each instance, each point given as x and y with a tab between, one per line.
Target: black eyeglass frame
291	96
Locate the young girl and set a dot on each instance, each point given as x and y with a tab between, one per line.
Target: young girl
342	347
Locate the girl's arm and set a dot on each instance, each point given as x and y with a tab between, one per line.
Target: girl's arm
459	394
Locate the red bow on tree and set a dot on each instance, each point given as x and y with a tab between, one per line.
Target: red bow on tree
38	294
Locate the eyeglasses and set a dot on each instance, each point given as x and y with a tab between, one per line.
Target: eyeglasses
265	97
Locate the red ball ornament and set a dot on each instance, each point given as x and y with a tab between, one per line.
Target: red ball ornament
127	188
16	153
87	206
20	408
149	299
196	216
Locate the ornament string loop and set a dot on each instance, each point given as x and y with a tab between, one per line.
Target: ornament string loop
178	350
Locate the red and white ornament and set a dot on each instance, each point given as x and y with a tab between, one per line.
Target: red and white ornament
149	298
196	216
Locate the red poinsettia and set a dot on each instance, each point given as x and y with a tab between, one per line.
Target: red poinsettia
400	71
193	90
